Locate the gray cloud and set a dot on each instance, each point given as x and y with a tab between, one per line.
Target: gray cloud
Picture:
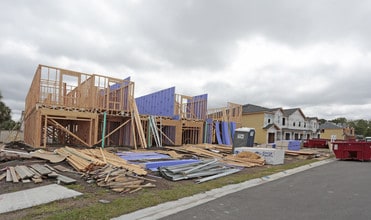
192	45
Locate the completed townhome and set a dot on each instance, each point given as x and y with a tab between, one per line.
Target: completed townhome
276	124
332	131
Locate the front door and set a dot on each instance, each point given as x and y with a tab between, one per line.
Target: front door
271	138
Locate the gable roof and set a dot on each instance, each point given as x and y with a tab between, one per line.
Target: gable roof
272	125
329	125
250	108
290	111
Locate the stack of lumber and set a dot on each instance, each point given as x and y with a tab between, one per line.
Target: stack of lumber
119	179
208	151
77	160
300	152
226	149
86	159
247	159
35	173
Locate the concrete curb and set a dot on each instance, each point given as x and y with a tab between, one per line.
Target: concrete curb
169	208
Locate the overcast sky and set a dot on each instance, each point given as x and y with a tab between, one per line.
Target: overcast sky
314	55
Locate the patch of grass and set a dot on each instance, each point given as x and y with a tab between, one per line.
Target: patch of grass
76	187
150	197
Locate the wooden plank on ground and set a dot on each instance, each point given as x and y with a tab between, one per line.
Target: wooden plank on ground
22	174
65	179
292	152
2	176
14	175
51	157
41	169
36	174
62	168
37	179
8	176
26	180
28	171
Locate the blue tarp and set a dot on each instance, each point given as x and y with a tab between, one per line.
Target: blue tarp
225	133
294	145
217	132
233	129
161	159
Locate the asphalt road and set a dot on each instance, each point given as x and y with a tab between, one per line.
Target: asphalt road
338	190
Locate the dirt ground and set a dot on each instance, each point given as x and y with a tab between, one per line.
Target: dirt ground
92	192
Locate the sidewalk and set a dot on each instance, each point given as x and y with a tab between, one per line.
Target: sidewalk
36	196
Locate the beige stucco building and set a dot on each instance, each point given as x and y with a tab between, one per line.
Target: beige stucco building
332	131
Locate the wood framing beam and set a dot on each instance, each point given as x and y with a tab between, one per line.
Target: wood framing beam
133	129
71	114
138	123
116	129
171	141
45	129
67	131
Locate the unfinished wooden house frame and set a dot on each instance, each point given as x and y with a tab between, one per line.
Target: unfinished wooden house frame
231	113
65	107
173	119
222	122
69	107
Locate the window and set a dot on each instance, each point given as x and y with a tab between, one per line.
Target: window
293	124
287	136
269	120
283	121
299	123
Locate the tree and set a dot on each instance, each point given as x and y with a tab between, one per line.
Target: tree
340	121
322	121
361	127
6	122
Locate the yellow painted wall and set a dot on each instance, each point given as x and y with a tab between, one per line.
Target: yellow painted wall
328	132
255	121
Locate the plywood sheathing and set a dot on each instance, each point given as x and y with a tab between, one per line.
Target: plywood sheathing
191	107
165	103
231	113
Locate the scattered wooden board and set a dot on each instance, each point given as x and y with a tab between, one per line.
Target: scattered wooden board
14	175
2	176
65	179
49	156
8	176
41	169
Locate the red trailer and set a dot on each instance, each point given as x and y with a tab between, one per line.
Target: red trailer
316	143
352	150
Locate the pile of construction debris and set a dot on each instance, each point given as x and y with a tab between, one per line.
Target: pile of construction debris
222	154
209	169
34	172
107	169
126	171
118	179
